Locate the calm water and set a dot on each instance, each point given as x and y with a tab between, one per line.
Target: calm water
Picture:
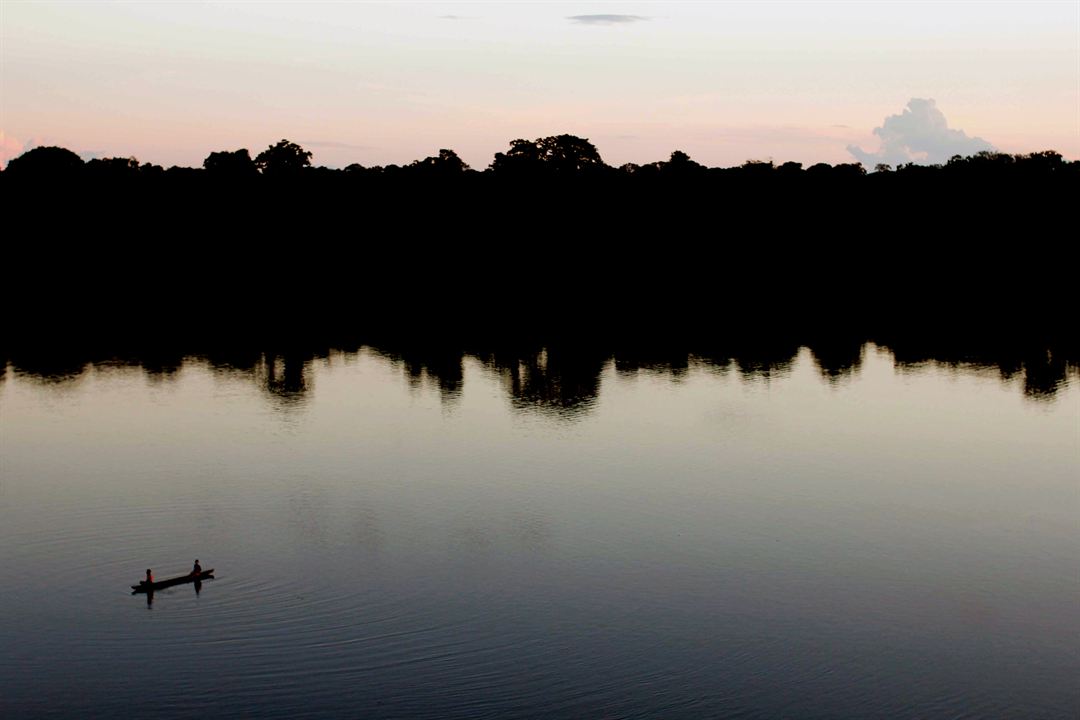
896	542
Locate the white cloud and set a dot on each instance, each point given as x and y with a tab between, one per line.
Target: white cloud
919	134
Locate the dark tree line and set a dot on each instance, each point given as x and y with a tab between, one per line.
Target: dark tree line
548	158
548	241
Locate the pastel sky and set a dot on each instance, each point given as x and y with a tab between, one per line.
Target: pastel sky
378	83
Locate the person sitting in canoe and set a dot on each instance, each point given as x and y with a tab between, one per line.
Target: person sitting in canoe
149	578
197	570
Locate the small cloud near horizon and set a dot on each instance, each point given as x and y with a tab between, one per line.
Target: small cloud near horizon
919	134
10	148
606	19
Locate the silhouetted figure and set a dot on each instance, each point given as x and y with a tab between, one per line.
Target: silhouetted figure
197	570
149	577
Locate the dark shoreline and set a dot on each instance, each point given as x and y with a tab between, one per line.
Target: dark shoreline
974	261
563	373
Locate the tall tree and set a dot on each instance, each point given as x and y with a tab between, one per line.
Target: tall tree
558	154
445	164
284	158
236	164
46	162
569	153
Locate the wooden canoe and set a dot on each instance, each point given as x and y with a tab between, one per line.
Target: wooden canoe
159	584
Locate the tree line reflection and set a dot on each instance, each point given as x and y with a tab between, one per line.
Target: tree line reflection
564	379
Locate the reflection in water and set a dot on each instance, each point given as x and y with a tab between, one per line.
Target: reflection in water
767	361
161	367
633	361
51	368
285	378
840	360
740	529
1043	370
556	380
150	592
564	380
435	365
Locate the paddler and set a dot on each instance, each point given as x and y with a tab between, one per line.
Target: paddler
197	570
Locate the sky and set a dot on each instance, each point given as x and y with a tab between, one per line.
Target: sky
379	83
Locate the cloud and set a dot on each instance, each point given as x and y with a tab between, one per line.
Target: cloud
10	148
606	19
919	134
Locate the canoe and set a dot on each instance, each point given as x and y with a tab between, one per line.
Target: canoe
159	584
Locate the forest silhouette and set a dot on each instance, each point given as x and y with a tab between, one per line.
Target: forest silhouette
548	245
558	158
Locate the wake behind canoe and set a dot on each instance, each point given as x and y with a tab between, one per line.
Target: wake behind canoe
191	577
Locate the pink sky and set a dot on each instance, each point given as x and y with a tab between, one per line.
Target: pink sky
378	83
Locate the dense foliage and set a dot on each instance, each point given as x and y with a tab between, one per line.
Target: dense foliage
548	240
554	158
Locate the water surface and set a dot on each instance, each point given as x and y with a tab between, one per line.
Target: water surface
524	539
